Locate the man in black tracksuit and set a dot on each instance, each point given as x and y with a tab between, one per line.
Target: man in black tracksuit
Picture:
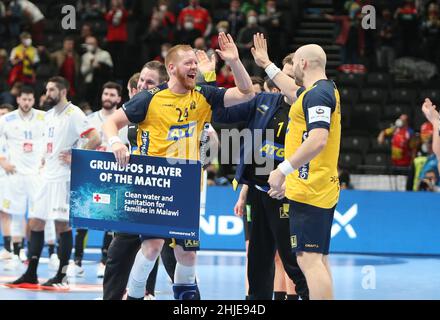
267	118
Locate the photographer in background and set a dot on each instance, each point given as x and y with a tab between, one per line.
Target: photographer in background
429	182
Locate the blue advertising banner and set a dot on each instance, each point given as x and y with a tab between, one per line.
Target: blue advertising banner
149	196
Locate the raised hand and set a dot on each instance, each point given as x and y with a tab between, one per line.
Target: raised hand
206	64
259	51
429	110
228	50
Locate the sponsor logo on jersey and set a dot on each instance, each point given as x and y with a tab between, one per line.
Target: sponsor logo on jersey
180	132
272	150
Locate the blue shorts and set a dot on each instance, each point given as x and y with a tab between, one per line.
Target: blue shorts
310	227
186	244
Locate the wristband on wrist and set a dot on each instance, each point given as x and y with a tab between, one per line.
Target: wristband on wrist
272	70
113	140
210	76
286	167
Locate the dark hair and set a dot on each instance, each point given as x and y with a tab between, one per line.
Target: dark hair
8	106
270	84
259	81
160	68
60	82
132	83
26	90
112	85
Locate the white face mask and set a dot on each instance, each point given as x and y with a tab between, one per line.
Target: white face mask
163	8
425	148
399	123
271	10
164	54
252	20
27	42
188	25
222	30
90	48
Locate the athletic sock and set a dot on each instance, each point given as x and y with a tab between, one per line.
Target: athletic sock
279	295
139	274
65	250
7	243
35	248
292	297
51	249
80	237
17	248
108	237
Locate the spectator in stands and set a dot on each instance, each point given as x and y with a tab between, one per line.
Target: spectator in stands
5	68
11	20
163	52
386	52
431	33
117	36
167	19
273	21
425	161
222	26
200	44
258	6
426	130
35	18
225	78
188	33
352	36
96	67
10	97
402	142
201	18
86	108
235	18
24	59
68	63
245	42
154	38
90	9
258	84
408	23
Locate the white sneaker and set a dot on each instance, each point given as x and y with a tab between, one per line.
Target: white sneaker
5	254
74	270
13	264
23	255
101	270
54	262
149	297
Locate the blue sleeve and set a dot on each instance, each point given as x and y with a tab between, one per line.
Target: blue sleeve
300	91
318	106
136	108
215	96
238	113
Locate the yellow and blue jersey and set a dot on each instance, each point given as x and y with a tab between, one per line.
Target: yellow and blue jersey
170	124
315	183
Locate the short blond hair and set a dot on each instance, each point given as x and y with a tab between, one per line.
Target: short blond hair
174	52
289	59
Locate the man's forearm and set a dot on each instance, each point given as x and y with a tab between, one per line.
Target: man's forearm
241	77
306	152
286	84
93	142
436	139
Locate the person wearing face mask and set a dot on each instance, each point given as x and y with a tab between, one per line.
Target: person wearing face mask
272	20
402	142
188	34
167	19
201	18
24	59
222	26
235	17
245	42
96	68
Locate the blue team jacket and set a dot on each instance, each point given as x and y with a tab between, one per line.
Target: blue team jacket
257	113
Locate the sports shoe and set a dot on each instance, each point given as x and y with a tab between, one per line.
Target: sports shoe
55	284
74	270
101	270
13	264
23	255
5	254
24	282
54	262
